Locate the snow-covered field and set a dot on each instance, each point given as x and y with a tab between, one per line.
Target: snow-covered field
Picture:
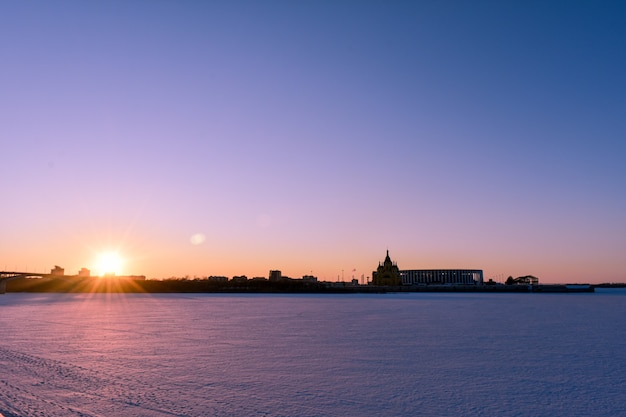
313	355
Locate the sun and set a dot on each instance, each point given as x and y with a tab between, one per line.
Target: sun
109	263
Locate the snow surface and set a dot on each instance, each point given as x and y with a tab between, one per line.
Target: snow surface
313	355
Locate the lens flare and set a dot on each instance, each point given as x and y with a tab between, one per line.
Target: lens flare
197	239
109	263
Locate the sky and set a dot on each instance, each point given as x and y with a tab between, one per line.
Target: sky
231	137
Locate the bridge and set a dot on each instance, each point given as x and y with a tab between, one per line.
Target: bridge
6	276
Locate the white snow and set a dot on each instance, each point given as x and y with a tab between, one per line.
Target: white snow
313	355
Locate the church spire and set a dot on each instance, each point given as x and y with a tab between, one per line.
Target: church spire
387	273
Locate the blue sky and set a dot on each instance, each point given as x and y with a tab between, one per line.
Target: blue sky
312	136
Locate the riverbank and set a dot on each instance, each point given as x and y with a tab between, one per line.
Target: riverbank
125	285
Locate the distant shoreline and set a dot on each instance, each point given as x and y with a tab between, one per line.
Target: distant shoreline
124	285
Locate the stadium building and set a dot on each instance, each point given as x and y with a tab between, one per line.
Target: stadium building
388	273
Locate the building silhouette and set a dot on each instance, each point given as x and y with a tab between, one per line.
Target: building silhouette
387	273
275	275
441	276
57	270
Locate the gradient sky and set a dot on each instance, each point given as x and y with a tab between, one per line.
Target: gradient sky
227	138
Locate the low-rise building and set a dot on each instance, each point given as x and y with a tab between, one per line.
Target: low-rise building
57	270
309	278
525	280
441	276
275	275
241	278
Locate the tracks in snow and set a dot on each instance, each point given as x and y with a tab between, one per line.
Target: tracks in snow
36	386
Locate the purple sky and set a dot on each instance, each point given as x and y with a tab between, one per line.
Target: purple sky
227	138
